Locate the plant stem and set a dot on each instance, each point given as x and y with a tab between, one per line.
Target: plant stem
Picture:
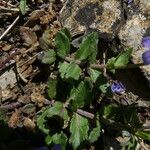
97	66
104	66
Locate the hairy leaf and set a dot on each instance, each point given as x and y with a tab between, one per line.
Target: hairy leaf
49	57
58	138
94	74
88	48
99	79
63	44
22	6
95	133
67	33
51	88
56	110
63	69
79	130
69	71
110	64
73	71
123	58
81	95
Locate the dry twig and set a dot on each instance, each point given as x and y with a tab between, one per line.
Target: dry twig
9	28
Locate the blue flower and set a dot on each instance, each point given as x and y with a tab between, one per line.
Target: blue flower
129	1
146	57
146	42
117	87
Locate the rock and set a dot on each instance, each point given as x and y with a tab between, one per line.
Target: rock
137	26
83	15
111	18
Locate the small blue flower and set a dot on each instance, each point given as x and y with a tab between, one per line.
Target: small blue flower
129	1
117	87
146	42
146	57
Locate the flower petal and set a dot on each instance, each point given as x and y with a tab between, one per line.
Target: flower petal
146	57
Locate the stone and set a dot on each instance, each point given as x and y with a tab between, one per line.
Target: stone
111	18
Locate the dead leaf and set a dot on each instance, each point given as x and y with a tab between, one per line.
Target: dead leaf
29	124
37	98
14	119
6	47
28	36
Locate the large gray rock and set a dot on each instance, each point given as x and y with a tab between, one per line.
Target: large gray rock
111	18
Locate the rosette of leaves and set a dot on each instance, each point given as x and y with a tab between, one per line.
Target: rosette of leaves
74	86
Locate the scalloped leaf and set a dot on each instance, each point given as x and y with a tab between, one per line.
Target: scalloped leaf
49	57
88	48
69	71
67	33
63	44
123	58
99	79
95	133
56	110
58	139
79	130
81	95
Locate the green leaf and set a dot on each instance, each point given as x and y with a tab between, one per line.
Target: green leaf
99	79
49	57
73	71
104	87
120	61
123	58
79	130
60	139
88	48
82	95
144	135
112	112
94	74
69	71
48	139
67	33
22	6
63	69
95	133
63	44
110	64
51	88
56	110
131	144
